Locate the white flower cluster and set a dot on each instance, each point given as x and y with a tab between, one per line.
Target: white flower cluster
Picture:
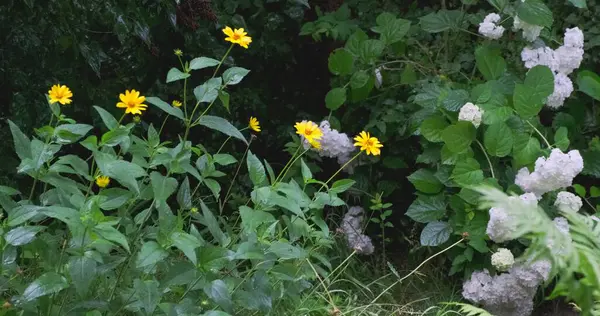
503	259
555	172
352	228
562	61
334	145
530	32
501	226
472	113
507	294
488	27
562	225
568	202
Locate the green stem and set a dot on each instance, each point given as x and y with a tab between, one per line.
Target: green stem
222	205
291	164
286	165
486	157
539	133
341	168
222	59
163	125
185	98
122	117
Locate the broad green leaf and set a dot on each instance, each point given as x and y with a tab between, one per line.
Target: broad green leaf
67	215
21	141
580	190
187	244
500	5
22	235
79	165
175	74
123	171
341	62
587	81
111	234
208	91
540	80
427	209
83	271
108	119
359	79
489	62
425	181
256	170
467	172
48	283
526	150
335	98
591	163
22	213
581	4
455	100
458	137
442	20
222	125
390	28
341	186
213	225
306	174
8	190
354	42
184	195
498	140
115	137
213	186
150	254
234	75
252	219
286	251
114	198
224	97
370	50
147	294
435	234
202	62
166	107
218	292
525	103
70	133
561	138
535	12
162	186
493	115
594	192
224	159
433	128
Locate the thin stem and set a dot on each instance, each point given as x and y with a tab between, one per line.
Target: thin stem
342	167
331	302
122	117
222	59
223	145
539	133
163	125
185	98
237	171
291	164
190	287
286	165
486	157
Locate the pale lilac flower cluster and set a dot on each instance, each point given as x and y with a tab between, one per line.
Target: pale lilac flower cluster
501	226
552	173
562	61
471	113
488	27
568	202
507	294
352	228
334	145
530	32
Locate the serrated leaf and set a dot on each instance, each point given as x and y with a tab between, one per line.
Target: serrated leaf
22	235
442	20
433	128
341	62
234	75
435	234
359	79
335	98
467	172
208	91
458	137
425	181
306	174
184	195
150	254
162	187
489	62
169	109
535	12
48	283
589	83
83	271
498	140
256	170
561	138
21	141
22	213
341	186
175	74
187	244
526	150
202	62
147	294
426	209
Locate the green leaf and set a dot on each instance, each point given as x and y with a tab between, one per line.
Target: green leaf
427	209
581	4
390	28
79	165
425	181
594	192
69	216
587	81
22	235
370	50
208	91
442	20
455	100
187	244
224	97
123	171
184	195
147	294
213	186
530	96
115	137
561	138
359	79
114	198
252	219
222	125
433	128
526	149
489	62
175	74
234	75
217	291
408	75
21	141
467	172
22	213
354	42
498	140
335	98
108	119
458	137
256	170
341	186
341	62
202	62
306	174
224	159
286	251
213	225
162	186
8	190
435	234
535	12
580	190
83	271
150	254
111	234
166	107
591	163
48	283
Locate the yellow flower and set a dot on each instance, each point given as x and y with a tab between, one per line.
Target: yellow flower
310	131
60	94
315	144
176	103
132	101
102	181
367	143
254	124
237	36
178	52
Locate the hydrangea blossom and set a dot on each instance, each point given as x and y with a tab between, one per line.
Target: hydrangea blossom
530	31
503	259
563	87
568	202
540	56
555	172
488	27
334	145
352	228
501	227
472	113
